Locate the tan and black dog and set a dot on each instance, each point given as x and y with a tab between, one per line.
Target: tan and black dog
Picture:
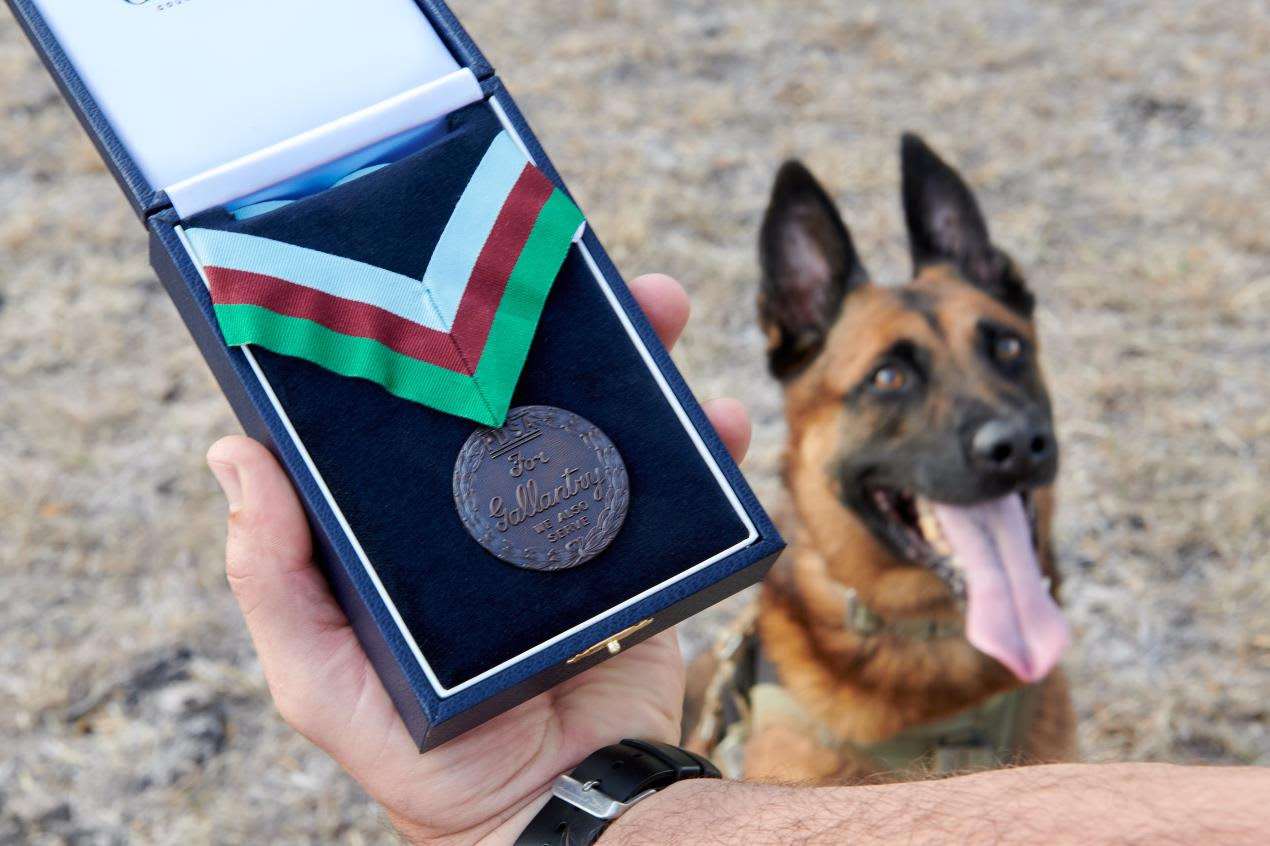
911	626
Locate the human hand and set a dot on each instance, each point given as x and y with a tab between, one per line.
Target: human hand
486	785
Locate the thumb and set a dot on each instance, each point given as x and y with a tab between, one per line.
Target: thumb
294	621
268	533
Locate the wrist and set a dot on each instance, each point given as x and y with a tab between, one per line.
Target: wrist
645	817
506	834
501	830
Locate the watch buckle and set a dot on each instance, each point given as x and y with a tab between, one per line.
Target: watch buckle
586	797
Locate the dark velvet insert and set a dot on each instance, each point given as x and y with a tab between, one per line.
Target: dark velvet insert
388	462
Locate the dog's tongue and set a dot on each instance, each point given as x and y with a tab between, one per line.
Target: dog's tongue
1010	614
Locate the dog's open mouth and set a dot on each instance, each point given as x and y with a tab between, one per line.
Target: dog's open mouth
987	555
915	532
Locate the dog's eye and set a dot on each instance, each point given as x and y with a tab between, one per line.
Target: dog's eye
889	378
1008	349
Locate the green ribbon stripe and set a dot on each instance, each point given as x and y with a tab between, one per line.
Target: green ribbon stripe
530	282
350	355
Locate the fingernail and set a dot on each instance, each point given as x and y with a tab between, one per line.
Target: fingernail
227	475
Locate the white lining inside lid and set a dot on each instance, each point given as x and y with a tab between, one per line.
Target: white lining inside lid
348	134
190	86
440	689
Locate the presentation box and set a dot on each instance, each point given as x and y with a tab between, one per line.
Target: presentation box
481	561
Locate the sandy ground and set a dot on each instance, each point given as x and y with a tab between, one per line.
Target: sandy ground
1119	148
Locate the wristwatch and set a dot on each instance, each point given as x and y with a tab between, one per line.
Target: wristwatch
605	785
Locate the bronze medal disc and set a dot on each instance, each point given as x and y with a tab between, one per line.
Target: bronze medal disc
546	491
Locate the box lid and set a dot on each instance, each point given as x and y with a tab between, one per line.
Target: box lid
194	102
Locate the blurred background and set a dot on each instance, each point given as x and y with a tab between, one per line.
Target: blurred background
1121	151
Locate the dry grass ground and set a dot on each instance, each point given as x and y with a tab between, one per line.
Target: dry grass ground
1120	149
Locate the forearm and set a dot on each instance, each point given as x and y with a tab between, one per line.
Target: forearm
1068	803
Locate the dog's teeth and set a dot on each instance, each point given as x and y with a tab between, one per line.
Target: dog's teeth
925	512
931	530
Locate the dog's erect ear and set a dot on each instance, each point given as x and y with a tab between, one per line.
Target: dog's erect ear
945	224
809	265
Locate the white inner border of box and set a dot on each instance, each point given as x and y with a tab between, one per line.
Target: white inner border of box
440	689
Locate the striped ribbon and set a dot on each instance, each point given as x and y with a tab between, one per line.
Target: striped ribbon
456	339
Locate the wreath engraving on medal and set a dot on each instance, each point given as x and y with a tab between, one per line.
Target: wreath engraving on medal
545	491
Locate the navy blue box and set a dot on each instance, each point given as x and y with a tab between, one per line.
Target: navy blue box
708	538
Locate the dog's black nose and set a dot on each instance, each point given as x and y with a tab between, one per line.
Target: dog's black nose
1012	449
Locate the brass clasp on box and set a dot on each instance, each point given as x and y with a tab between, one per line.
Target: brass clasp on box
613	643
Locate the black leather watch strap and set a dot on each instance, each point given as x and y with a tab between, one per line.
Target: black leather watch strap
604	785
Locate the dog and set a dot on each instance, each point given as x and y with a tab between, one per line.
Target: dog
912	626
